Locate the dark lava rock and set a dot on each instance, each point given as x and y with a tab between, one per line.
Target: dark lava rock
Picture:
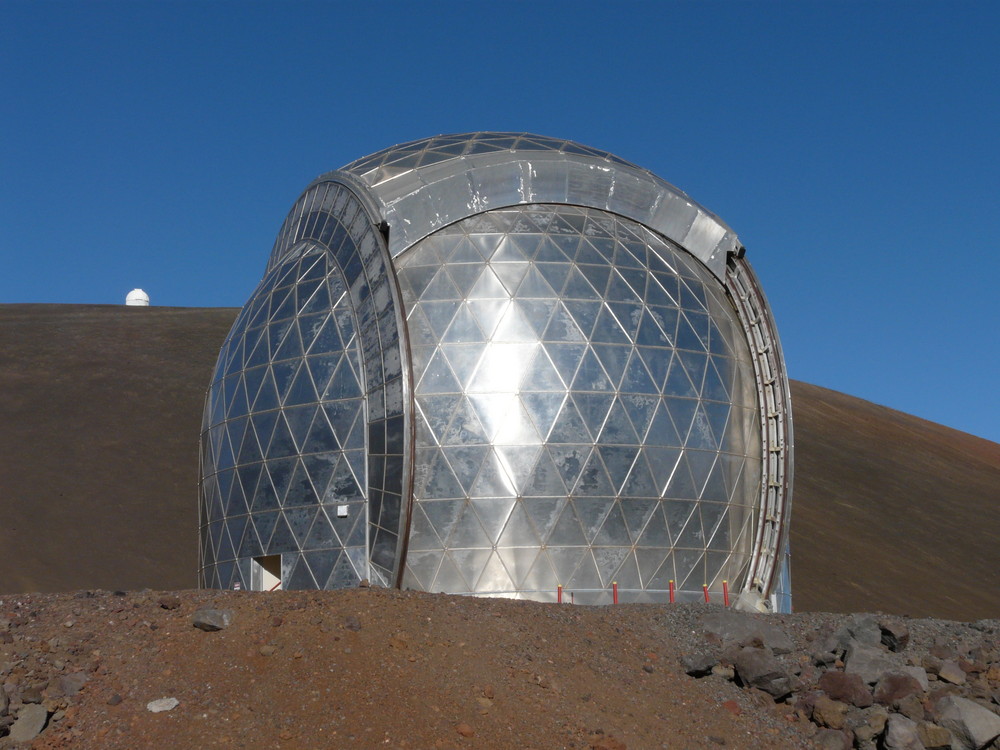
895	634
210	620
894	686
849	688
699	664
758	668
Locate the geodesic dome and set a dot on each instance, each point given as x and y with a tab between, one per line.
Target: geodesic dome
498	364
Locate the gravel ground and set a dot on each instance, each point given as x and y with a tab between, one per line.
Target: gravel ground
380	668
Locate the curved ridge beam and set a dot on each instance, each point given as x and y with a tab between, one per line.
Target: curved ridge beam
329	209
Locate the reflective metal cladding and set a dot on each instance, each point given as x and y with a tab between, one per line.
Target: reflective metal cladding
500	364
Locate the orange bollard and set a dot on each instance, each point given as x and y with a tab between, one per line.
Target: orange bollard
614	591
725	593
671	590
704	587
559	593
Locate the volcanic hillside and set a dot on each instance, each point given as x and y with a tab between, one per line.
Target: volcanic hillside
101	413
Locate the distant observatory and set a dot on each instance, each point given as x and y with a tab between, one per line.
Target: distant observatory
137	298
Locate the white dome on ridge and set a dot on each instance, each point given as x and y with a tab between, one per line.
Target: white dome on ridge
137	298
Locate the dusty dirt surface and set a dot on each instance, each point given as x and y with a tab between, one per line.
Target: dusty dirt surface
371	668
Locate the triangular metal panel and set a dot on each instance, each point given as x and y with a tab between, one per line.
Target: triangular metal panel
450	577
569	460
487	313
592	511
465	427
463	329
565	561
591	376
640	482
510	274
587	575
545	479
542	408
613	531
494	577
466	462
518	562
567	530
472	562
493	514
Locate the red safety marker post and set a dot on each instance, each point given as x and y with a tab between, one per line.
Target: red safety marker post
559	593
725	593
614	591
704	587
671	590
572	597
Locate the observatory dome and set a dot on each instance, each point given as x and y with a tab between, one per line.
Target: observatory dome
506	365
137	298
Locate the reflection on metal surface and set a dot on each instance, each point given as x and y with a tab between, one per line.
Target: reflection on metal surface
543	375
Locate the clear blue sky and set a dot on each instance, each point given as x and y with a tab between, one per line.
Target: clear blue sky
853	147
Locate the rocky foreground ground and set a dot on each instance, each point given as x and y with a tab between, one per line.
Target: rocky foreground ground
371	668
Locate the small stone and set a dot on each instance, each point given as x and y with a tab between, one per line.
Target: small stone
114	700
169	602
352	623
211	620
71	684
606	742
30	722
832	739
268	650
951	672
727	672
276	621
488	692
901	734
364	583
698	664
895	634
162	704
917	673
912	707
648	668
894	686
33	693
829	713
464	729
849	688
933	736
862	629
873	725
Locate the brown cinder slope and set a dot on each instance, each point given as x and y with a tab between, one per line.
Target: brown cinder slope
99	425
891	512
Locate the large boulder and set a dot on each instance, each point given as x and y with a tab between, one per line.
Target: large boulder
901	734
870	662
973	726
849	688
759	668
742	628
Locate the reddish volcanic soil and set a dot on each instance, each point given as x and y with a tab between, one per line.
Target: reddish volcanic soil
375	668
